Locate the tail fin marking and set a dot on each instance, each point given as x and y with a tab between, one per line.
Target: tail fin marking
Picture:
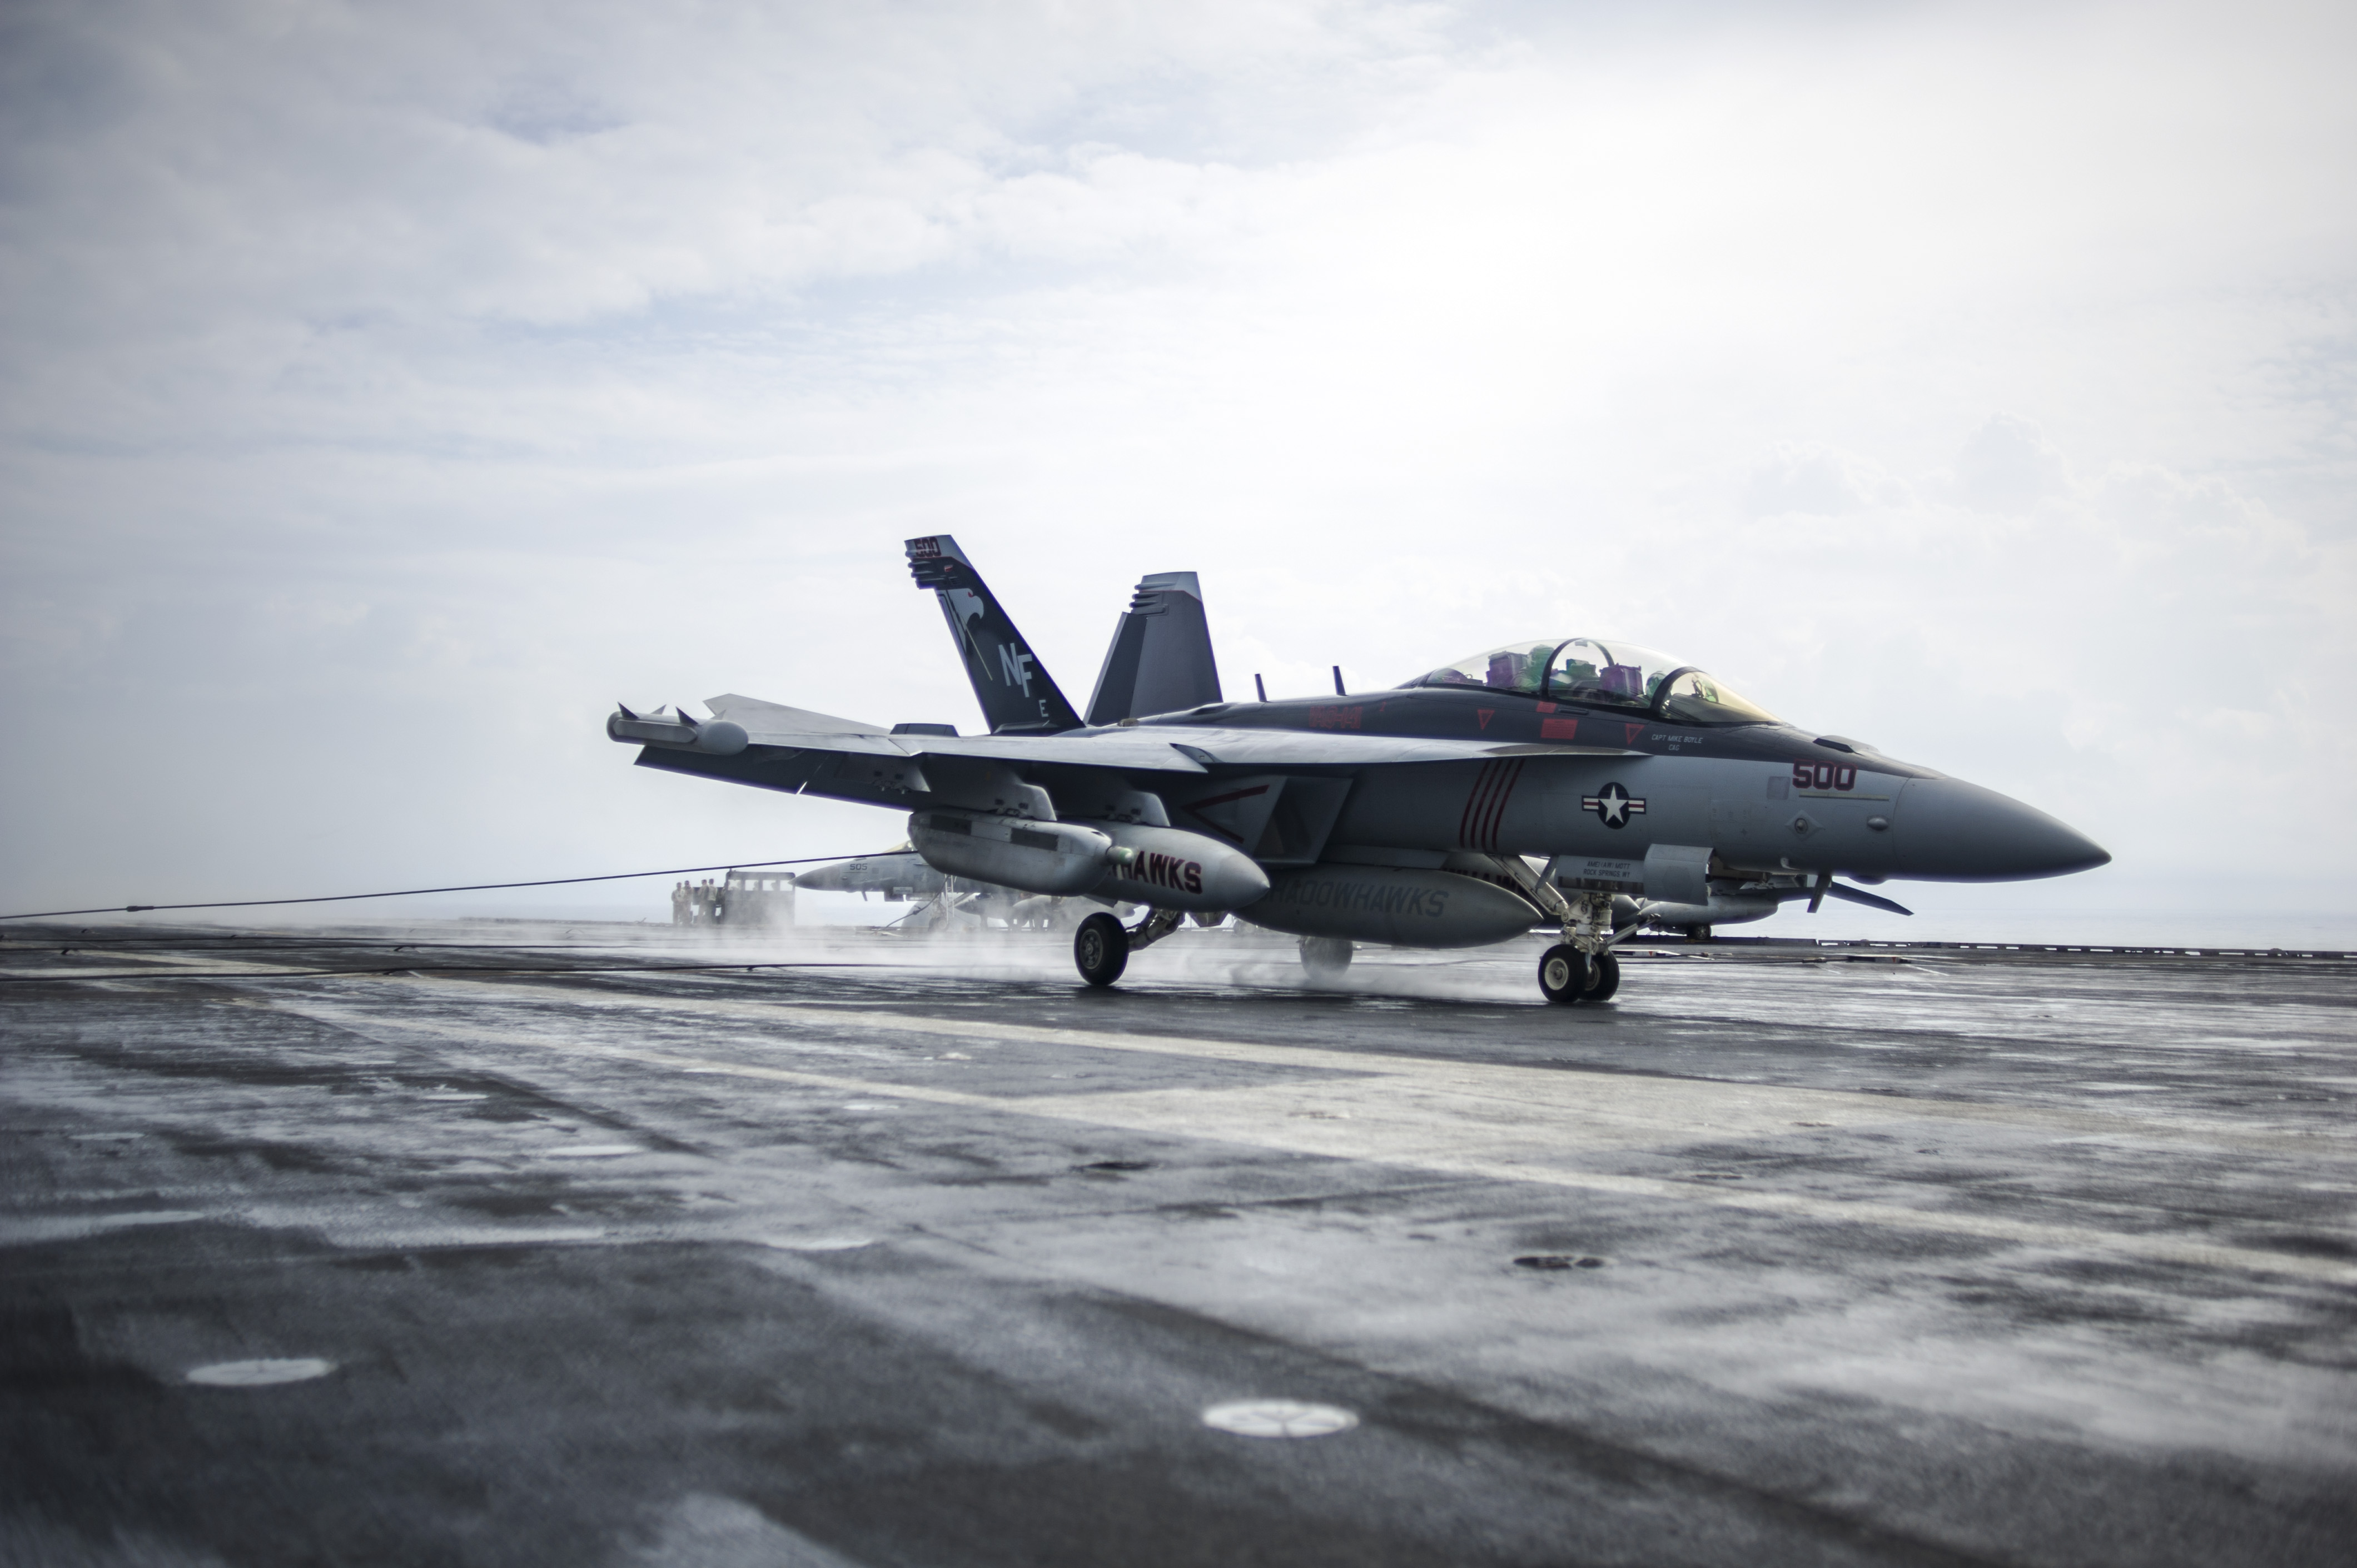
1015	690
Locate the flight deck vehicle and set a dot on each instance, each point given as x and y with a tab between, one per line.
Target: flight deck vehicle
1647	791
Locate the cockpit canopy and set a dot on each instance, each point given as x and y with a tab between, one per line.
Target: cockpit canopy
1591	673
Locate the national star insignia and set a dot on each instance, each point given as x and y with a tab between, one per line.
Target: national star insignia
1613	805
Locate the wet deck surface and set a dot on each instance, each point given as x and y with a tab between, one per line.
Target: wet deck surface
939	1259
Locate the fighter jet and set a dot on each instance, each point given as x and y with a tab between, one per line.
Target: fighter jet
1650	792
899	874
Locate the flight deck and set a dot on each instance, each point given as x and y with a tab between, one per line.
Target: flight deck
494	1243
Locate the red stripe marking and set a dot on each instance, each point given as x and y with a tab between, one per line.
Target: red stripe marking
1194	810
1506	777
1467	825
1466	817
1509	775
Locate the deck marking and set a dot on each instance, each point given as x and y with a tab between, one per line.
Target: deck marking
1278	1418
1478	1120
260	1374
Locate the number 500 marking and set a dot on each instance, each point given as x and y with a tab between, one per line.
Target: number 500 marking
1824	775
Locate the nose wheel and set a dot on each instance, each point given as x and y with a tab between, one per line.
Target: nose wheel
1567	975
1327	959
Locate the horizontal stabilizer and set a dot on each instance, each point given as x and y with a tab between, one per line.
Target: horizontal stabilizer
1160	659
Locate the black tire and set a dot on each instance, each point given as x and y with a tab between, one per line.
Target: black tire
1100	949
1607	979
1327	959
1565	974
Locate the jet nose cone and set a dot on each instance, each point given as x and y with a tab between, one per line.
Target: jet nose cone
825	879
1952	830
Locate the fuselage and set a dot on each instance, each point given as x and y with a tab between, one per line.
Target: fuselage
1611	783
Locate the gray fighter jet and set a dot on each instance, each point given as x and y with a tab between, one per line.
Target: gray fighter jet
899	874
1409	816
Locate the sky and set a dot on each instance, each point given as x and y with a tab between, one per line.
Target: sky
386	390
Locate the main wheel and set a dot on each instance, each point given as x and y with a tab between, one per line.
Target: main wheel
1607	979
1100	948
1565	974
1327	959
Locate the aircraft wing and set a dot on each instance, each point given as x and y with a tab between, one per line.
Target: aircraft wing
1196	750
754	714
774	724
1153	748
794	750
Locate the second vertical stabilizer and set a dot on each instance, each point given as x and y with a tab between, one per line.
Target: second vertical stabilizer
1160	661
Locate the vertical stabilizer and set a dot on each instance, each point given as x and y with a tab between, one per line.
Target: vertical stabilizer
1160	661
1014	690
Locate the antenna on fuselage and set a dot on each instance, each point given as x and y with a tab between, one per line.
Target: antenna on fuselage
1338	682
1260	687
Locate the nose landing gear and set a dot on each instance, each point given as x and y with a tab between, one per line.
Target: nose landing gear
1567	975
1327	959
1582	967
1102	945
1563	973
1607	979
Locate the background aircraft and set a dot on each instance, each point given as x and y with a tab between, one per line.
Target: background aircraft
1651	790
900	874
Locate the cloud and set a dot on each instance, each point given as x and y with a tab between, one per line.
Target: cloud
2009	466
385	391
1816	481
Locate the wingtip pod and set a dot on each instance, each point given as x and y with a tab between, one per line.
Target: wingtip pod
626	724
679	732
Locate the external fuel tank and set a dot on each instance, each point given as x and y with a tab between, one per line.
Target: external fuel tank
1385	904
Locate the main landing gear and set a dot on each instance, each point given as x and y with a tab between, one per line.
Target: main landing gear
1327	959
1567	975
1100	949
1102	946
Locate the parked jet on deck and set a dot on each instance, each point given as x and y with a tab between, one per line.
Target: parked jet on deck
899	874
